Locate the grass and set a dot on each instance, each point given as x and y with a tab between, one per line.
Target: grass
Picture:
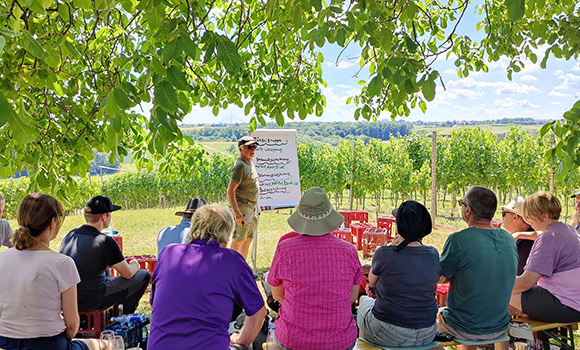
139	229
213	147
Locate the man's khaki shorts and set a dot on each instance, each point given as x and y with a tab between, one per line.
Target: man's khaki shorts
250	228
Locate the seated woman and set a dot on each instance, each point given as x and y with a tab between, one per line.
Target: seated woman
195	286
315	277
549	288
38	299
403	279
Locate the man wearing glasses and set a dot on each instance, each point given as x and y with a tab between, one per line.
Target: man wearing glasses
480	263
523	233
243	192
5	229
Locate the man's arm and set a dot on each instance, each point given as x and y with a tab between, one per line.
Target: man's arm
234	203
252	326
127	269
529	235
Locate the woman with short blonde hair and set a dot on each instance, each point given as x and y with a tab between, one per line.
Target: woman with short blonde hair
213	222
549	288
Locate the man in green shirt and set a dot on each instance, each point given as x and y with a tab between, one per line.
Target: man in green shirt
480	263
243	192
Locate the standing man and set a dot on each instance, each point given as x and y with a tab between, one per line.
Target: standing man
243	192
480	263
5	229
93	252
178	233
522	232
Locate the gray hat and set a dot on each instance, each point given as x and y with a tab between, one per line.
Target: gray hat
516	205
192	206
247	140
314	215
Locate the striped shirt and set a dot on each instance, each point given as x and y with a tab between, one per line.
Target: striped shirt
318	274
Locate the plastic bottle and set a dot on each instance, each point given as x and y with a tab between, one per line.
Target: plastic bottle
130	318
271	341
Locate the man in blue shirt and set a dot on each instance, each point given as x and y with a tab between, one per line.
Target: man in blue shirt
178	233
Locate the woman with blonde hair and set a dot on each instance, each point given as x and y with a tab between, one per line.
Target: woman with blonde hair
38	302
549	288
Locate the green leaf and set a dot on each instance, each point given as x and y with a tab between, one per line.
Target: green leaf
33	47
515	9
545	128
375	85
84	4
8	32
5	109
411	45
253	124
189	47
227	54
72	49
429	90
121	98
166	96
177	78
171	50
42	178
21	131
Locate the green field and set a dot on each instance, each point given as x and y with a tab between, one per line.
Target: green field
497	129
213	147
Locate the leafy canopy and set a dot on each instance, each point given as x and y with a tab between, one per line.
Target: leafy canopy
75	74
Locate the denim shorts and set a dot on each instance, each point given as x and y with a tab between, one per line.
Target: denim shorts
57	342
386	334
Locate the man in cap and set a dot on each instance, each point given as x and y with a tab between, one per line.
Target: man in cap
243	192
5	229
480	263
523	233
178	233
93	253
576	221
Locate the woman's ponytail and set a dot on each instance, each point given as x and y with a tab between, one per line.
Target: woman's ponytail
22	238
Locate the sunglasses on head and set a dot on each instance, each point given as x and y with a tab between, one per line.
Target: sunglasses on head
251	146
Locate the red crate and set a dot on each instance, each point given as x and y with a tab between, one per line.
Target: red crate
372	239
387	222
344	234
354	215
93	322
146	262
357	230
441	294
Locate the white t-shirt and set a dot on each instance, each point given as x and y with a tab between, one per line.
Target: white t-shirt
30	296
5	233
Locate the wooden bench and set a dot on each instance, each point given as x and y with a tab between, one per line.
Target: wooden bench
362	345
562	333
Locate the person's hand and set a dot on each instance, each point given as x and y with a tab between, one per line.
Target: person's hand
240	219
235	339
370	290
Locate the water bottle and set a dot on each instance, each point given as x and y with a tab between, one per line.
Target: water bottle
272	342
130	318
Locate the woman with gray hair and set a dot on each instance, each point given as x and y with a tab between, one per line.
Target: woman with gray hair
195	286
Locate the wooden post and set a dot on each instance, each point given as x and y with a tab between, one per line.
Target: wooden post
552	165
351	194
434	177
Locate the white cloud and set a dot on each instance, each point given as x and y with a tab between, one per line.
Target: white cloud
501	87
450	71
576	68
571	83
558	72
343	86
529	77
340	64
555	103
557	94
508	102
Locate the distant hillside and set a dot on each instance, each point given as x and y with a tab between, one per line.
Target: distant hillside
329	133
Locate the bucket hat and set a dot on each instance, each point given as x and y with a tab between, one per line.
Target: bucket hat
192	206
314	215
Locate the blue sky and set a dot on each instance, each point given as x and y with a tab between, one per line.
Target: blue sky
533	93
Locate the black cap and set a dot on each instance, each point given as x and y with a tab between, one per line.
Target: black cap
101	205
247	140
192	206
576	194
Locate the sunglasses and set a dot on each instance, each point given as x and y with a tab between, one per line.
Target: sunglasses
462	203
504	213
251	146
